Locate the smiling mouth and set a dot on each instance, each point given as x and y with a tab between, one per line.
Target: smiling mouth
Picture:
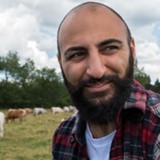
98	87
97	84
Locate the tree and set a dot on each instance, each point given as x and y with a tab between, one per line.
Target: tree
49	88
26	72
157	86
140	75
24	85
9	65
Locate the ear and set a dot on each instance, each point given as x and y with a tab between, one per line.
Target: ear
133	48
59	58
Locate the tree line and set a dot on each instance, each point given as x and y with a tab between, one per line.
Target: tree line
23	85
145	79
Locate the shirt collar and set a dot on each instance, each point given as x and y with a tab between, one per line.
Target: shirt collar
79	130
138	97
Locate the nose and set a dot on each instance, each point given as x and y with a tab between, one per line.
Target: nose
95	65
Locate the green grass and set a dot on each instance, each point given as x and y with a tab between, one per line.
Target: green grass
30	139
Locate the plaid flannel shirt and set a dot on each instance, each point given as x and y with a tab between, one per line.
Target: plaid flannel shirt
137	136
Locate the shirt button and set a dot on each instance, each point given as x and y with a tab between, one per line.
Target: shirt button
71	139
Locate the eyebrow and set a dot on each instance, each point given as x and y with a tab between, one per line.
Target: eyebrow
75	48
105	42
108	41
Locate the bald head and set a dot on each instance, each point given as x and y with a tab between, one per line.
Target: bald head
79	13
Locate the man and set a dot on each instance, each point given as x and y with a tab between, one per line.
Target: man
117	117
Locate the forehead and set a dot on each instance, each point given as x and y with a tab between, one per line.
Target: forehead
89	20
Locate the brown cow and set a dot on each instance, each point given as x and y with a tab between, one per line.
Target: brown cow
15	114
28	110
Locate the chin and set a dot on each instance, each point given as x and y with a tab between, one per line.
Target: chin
101	107
96	98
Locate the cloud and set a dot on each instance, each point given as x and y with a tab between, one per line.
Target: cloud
148	58
30	27
156	32
20	31
40	57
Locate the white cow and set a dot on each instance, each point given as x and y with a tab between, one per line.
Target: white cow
38	111
72	109
2	120
56	110
66	109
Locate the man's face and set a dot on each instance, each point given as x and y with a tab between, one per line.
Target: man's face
95	61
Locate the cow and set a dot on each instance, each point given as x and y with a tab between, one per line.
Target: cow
38	111
28	110
13	114
69	109
56	110
66	109
2	120
72	109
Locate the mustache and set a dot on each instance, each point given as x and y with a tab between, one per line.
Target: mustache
104	79
93	81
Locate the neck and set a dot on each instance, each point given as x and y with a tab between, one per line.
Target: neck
99	131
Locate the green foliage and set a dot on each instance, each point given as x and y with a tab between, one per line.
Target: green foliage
140	75
145	80
155	87
25	86
9	65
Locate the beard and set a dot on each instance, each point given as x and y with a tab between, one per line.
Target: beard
97	108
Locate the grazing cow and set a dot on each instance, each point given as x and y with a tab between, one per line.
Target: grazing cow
15	114
69	109
66	109
56	110
72	109
28	110
2	120
38	111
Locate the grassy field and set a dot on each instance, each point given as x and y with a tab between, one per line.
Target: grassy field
30	139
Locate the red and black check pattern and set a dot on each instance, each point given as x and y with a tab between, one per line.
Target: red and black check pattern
137	136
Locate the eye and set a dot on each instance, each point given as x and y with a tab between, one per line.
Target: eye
75	53
76	56
109	49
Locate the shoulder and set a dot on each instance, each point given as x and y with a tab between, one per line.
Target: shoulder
153	98
153	102
146	100
66	127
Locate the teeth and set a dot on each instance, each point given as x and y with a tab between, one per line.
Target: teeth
96	85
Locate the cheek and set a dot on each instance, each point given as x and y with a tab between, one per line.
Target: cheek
119	65
74	73
123	66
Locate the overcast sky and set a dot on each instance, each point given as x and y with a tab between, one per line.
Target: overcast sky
30	27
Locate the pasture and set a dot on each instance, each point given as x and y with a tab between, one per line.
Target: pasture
30	139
